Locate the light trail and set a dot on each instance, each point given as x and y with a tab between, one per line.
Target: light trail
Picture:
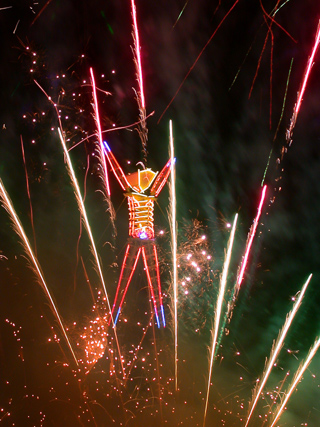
174	252
303	86
218	310
137	50
7	204
251	237
97	120
307	73
297	379
29	196
276	350
87	225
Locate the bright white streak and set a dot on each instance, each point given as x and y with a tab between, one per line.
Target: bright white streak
174	253
276	349
19	229
86	223
218	310
97	120
297	379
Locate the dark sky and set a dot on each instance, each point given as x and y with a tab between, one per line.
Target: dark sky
230	118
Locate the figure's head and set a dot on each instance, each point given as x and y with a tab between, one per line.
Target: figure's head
142	179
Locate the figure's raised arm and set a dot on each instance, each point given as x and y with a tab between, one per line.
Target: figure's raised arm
116	168
161	178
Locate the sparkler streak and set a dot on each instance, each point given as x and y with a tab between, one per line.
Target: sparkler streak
297	379
28	191
218	310
7	204
86	223
277	346
142	129
137	49
97	120
174	252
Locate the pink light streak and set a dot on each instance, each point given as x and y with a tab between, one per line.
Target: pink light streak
103	159
137	48
252	234
306	76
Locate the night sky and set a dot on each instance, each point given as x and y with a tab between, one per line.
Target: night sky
230	96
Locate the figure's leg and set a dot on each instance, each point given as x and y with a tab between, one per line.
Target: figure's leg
155	253
128	267
147	261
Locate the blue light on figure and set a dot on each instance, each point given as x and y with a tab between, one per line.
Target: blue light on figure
143	235
106	146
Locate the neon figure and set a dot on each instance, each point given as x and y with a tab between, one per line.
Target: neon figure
141	189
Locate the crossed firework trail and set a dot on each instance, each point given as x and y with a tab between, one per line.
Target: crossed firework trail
141	189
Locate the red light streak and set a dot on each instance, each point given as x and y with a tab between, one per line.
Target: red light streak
119	282
128	282
150	284
158	272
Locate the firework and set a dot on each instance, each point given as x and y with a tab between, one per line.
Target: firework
251	235
174	254
223	283
296	380
88	228
276	350
97	120
7	204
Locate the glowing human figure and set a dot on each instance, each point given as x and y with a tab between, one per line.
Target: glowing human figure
141	189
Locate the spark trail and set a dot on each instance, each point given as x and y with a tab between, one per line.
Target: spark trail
296	380
29	196
303	87
218	310
7	204
241	271
307	73
142	130
174	253
97	120
251	237
137	50
87	225
276	350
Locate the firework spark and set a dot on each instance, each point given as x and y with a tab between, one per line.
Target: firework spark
137	49
303	87
251	237
97	120
174	253
276	350
297	379
7	204
218	310
87	225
